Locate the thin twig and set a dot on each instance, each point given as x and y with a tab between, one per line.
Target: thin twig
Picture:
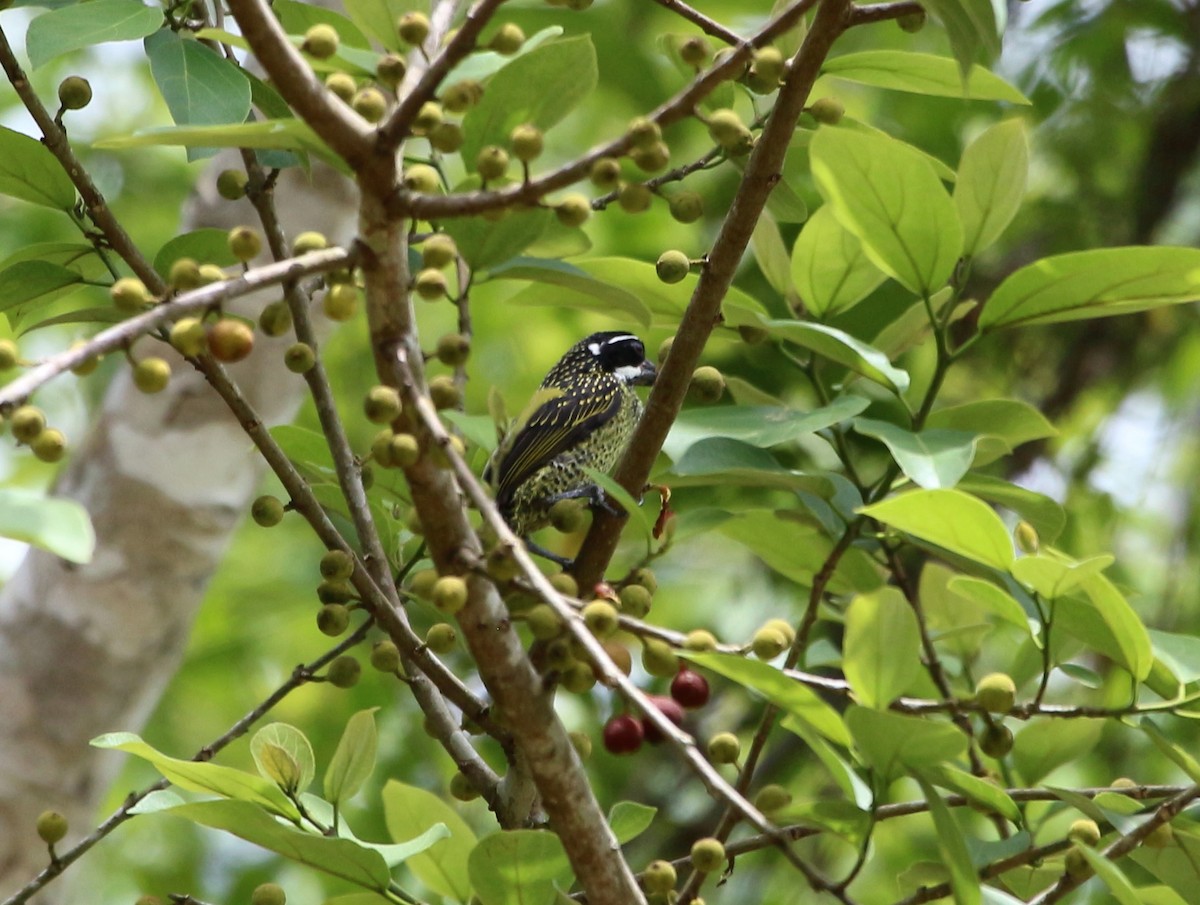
709	26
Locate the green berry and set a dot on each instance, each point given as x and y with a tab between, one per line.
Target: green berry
784	627
634	197
188	336
652	159
492	163
768	64
267	511
231	184
320	41
151	375
344	672
342	84
441	638
445	393
996	741
336	591
565	584
27	422
450	594
276	319
88	365
1076	865
420	177
507	40
772	797
336	564
768	643
644	132
447	138
699	639
601	618
543	622
370	104
462	788
658	658
390	70
382	405
427	118
245	243
827	110
49	446
726	128
659	878
672	266
299	358
687	207
74	92
309	241
724	748
268	894
582	743
130	294
1026	537
573	211
438	251
526	142
635	600
413	28
1084	831
9	354
567	516
385	656
51	827
695	51
431	284
502	565
333	619
340	302
423	582
404	450
912	22
605	173
184	275
462	96
453	349
996	692
708	855
230	340
707	385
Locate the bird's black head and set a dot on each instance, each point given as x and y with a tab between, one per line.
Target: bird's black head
620	354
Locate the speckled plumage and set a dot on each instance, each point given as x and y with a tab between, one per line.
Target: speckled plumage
581	417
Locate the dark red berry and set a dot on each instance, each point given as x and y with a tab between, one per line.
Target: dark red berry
670	709
689	689
622	734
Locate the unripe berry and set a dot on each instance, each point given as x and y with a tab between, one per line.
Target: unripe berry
428	118
320	41
726	128
420	177
404	450
431	284
605	173
771	798
441	638
768	643
446	137
445	393
450	594
333	619
526	142
690	689
27	422
623	734
340	302
413	28
151	375
267	511
299	358
827	110
342	84
184	275
211	273
438	251
566	516
462	788
390	70
687	207
382	405
634	198
635	601
370	104
708	855
724	748
51	827
1076	865
659	877
699	639
996	692
658	658
502	566
231	184
644	132
423	582
462	96
336	591
49	445
453	349
543	622
601	618
707	385
508	39
582	743
672	266
344	672
912	22
230	340
784	627
996	741
492	163
1084	831
74	92
385	656
695	51
88	365
1026	537
577	677
275	319
768	64
1161	836
653	158
268	894
573	211
307	241
9	354
130	294
336	564
245	243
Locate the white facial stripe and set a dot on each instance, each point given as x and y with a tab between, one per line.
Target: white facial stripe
594	348
628	372
624	337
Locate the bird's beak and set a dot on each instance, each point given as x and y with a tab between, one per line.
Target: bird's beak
645	375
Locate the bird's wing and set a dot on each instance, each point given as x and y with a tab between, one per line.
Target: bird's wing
554	421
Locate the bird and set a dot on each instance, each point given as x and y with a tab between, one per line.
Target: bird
582	416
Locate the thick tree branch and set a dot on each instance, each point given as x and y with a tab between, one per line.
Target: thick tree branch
881	12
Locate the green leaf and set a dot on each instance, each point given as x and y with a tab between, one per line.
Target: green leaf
284	755
57	525
1181	653
950	519
484	243
517	93
84	24
882	648
200	87
354	758
1003	425
29	171
629	819
1045	514
583	290
995	600
481	64
1099	283
972	29
1053	575
267	134
857	792
991	183
1041	747
297	18
25	321
889	195
944	173
75	256
409	811
337	857
797	550
1130	642
1114	878
30	284
725	462
377	18
921	73
978	791
771	254
637	515
955	856
829	268
197	776
758	425
842	348
932	458
517	867
892	743
208	246
791	696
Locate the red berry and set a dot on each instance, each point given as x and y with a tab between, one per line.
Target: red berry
670	709
689	689
622	735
